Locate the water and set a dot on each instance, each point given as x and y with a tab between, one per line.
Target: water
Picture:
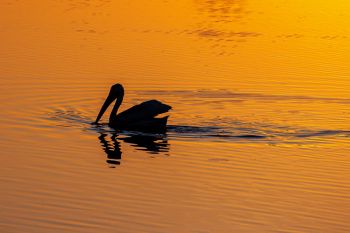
258	138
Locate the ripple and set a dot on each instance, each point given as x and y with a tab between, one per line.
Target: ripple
225	131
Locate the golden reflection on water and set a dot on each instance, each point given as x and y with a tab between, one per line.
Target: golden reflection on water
258	138
189	44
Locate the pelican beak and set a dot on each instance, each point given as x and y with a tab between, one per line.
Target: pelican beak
110	98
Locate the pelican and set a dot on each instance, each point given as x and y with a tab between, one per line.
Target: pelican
141	117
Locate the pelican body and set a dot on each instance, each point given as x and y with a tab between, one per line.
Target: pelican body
141	117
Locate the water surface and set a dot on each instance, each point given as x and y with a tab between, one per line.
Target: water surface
258	138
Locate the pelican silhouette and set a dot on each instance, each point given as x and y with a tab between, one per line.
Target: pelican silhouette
141	117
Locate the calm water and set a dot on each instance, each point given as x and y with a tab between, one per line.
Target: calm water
258	138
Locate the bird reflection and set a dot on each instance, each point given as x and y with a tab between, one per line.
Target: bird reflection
111	148
153	144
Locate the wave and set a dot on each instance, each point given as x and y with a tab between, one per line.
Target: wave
241	96
233	131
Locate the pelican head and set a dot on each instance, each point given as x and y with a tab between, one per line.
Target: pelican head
116	91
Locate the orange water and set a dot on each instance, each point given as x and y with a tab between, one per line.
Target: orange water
258	137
